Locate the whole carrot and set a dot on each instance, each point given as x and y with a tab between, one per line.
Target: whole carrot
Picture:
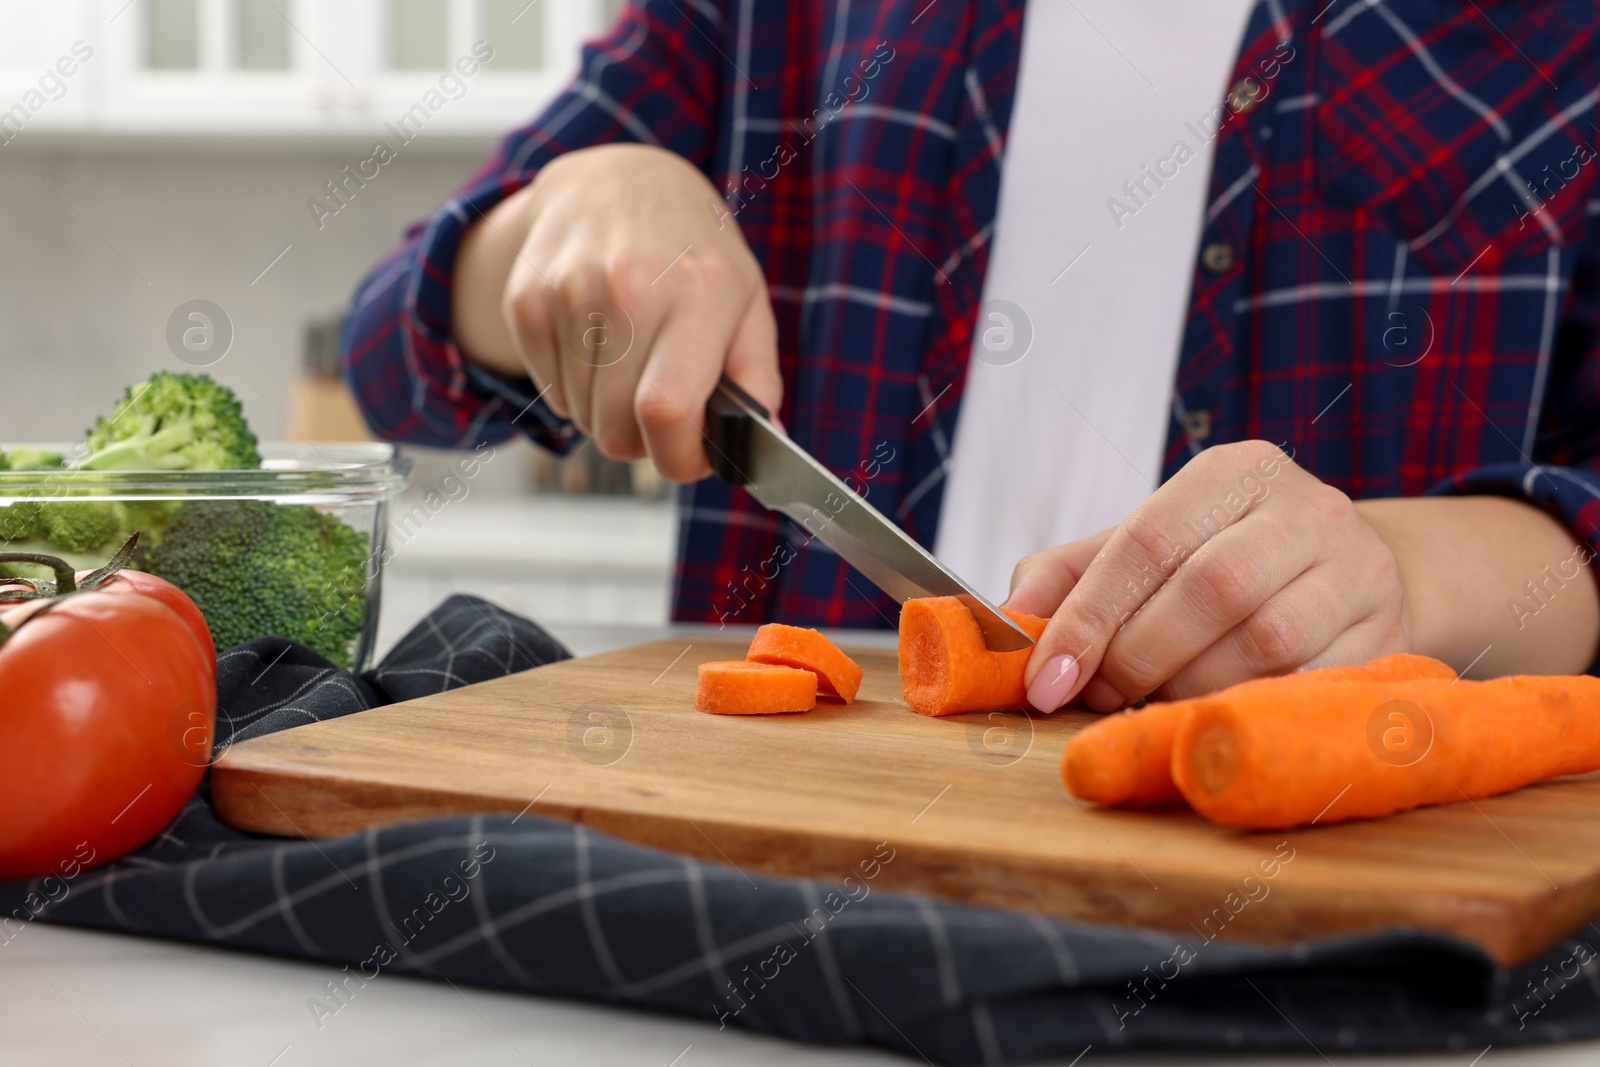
945	667
1126	758
1268	759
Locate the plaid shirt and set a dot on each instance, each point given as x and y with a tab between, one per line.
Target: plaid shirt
1399	275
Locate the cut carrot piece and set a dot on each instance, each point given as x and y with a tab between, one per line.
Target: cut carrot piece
1269	758
794	646
1126	758
945	667
739	687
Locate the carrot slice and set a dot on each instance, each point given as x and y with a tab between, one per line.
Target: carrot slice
739	687
794	646
1271	758
1126	758
945	667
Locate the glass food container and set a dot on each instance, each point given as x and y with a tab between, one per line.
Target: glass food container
226	537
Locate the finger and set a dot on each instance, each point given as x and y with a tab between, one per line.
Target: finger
753	355
1100	695
584	322
616	429
1042	580
1364	642
529	317
1136	560
1303	621
1213	591
676	382
614	349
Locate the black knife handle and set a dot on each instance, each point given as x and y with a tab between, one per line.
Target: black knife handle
728	423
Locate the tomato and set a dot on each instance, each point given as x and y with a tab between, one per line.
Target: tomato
107	712
125	581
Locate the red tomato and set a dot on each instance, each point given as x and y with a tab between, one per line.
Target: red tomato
126	581
107	711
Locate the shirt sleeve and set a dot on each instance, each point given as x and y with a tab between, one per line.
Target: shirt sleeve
653	79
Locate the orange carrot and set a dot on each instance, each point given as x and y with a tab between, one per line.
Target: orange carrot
944	666
739	687
1268	758
1126	758
1400	667
793	646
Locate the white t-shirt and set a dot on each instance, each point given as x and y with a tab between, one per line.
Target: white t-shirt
1064	439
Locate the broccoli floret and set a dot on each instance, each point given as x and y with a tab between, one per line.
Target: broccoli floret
256	568
32	459
78	526
147	518
173	422
20	521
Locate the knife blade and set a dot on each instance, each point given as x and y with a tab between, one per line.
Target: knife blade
748	449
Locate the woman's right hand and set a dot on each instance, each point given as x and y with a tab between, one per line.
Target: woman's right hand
620	283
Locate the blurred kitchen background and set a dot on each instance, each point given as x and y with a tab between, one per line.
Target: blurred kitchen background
178	161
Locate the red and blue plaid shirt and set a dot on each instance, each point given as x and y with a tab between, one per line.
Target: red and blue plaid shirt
1399	274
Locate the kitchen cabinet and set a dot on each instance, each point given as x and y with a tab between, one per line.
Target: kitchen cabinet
239	68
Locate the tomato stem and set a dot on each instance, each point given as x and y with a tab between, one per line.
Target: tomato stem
65	582
94	578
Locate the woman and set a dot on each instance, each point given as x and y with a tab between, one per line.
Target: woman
1393	289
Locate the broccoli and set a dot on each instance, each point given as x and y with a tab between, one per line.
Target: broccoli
32	459
173	422
20	521
78	526
147	518
256	568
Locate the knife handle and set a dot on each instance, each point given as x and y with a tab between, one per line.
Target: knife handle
728	418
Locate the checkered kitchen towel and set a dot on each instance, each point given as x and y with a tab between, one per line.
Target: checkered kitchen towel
549	907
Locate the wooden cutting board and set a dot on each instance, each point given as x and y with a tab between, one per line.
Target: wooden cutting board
971	807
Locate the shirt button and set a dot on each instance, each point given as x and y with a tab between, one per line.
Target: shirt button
1197	426
1217	257
1245	96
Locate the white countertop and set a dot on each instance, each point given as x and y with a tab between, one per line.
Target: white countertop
79	998
76	998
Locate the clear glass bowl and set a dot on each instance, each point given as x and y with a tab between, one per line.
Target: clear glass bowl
353	483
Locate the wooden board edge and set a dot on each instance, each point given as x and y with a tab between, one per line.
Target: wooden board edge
1510	932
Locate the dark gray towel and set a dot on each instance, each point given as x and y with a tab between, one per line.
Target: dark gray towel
550	907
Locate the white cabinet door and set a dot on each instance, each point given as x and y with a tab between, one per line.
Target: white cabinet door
289	67
216	66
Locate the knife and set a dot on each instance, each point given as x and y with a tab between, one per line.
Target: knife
747	449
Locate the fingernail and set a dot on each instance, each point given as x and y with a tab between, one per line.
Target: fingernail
1053	684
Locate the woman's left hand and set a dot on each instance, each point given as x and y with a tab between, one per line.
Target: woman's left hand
1242	565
